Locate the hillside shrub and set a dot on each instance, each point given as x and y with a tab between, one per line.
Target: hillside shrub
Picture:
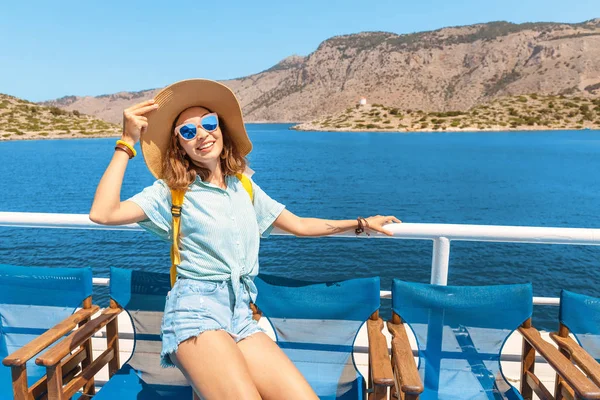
57	111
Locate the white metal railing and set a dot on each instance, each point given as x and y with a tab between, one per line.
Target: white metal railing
440	234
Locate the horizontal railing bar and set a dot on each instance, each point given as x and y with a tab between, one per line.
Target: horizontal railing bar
60	221
478	233
101	281
546	301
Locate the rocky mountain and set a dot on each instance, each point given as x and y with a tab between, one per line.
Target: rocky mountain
22	120
454	68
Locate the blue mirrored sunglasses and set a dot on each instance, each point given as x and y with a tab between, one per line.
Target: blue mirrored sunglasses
209	122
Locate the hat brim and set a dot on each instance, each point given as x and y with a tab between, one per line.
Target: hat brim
182	95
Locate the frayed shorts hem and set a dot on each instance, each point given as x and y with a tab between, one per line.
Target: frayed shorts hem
165	355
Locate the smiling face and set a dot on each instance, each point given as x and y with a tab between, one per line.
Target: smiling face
206	147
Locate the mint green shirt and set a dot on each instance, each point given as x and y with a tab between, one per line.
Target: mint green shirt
220	228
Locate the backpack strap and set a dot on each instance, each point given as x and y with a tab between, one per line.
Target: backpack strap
177	201
177	197
247	184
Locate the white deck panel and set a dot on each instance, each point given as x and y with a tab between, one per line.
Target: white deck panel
511	366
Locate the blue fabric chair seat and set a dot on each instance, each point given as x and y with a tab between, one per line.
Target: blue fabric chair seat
316	324
142	295
460	332
322	368
34	374
581	314
6	380
5	384
127	384
33	300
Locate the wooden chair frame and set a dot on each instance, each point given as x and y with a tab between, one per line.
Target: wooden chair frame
77	361
408	384
380	376
574	352
57	358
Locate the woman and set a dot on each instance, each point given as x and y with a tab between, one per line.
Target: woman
193	138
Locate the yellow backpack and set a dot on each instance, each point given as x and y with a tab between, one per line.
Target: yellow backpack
177	200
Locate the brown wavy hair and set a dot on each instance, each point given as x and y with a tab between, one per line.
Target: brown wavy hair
177	171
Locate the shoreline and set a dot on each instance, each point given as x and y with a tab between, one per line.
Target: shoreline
449	130
273	123
58	137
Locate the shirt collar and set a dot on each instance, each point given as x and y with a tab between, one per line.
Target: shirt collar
201	183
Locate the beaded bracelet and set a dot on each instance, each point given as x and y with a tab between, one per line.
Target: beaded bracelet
130	147
126	149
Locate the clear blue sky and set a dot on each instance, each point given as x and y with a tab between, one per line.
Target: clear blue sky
50	49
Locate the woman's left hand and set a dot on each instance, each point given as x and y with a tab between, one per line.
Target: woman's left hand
377	222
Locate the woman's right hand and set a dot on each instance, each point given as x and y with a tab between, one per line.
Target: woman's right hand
134	121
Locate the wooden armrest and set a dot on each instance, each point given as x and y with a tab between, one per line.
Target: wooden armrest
409	381
62	349
563	366
379	358
585	361
25	353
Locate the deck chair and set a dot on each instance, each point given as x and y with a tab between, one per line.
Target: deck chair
460	332
142	296
316	325
579	315
37	308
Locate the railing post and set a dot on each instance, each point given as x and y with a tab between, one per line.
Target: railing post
440	261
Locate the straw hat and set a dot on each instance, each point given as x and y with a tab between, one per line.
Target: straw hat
181	95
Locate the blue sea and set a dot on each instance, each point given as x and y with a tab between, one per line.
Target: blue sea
501	178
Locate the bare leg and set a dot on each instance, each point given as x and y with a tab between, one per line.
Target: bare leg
275	376
215	367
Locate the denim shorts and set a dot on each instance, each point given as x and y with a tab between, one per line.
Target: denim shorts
195	306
